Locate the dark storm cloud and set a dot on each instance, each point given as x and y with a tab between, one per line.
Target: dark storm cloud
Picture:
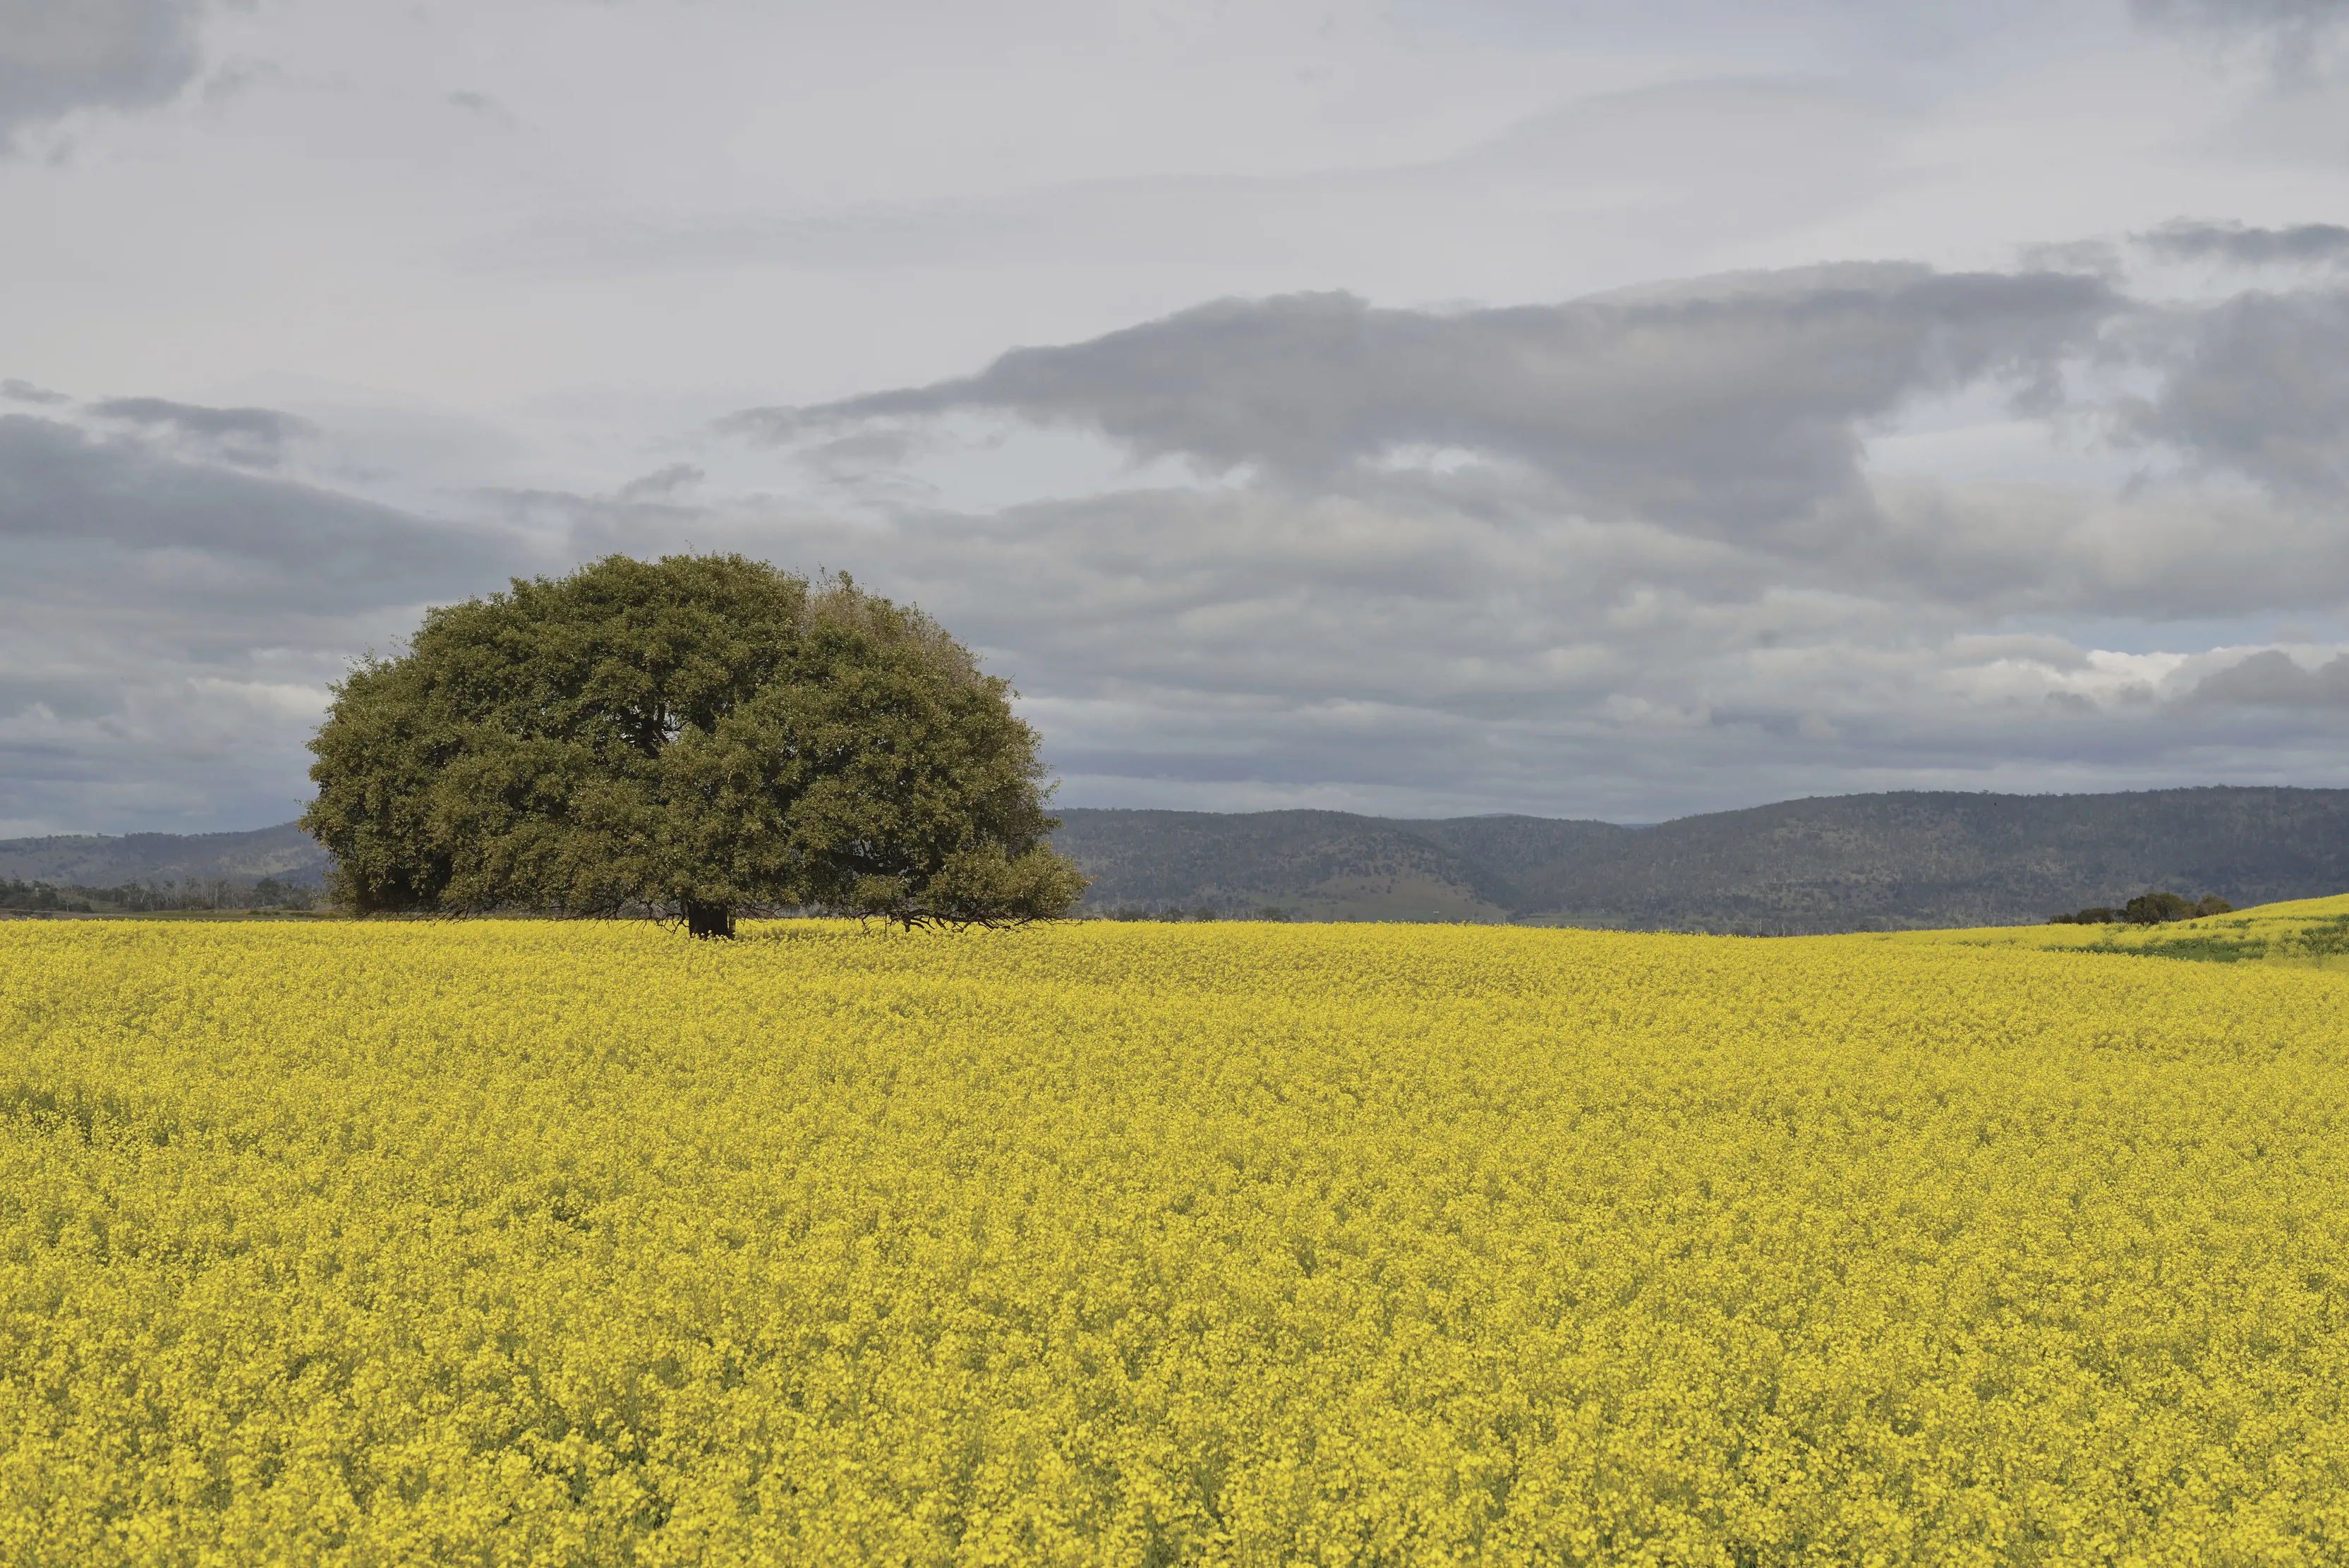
59	56
2261	386
2301	243
252	437
1733	402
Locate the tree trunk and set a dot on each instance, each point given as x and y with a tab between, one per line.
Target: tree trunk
708	919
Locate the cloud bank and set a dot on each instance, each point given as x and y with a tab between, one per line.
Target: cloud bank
1629	555
1631	552
58	56
169	622
1726	408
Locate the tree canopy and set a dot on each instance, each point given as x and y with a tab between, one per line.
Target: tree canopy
2146	909
689	737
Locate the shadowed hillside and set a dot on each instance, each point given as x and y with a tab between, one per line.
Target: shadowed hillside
1320	865
93	860
1881	862
1893	862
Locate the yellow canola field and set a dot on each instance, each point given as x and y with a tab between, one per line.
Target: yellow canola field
2307	933
522	1242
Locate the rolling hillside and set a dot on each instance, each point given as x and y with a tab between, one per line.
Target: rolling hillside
1874	862
1320	865
94	860
1880	862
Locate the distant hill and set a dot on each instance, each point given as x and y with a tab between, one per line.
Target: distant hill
94	860
1840	863
1322	865
1874	862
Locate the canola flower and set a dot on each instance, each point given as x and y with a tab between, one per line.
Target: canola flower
2306	933
519	1243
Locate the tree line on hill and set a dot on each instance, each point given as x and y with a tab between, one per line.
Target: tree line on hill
282	853
2146	909
152	898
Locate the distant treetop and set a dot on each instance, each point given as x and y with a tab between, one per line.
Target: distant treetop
2147	909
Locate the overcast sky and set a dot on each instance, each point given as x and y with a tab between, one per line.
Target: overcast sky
1590	410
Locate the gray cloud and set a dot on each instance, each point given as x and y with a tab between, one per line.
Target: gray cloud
252	437
2298	41
59	56
2097	258
2278	17
2274	680
2157	552
1732	402
168	626
2301	243
2261	386
1475	650
21	391
480	105
1605	610
58	484
663	484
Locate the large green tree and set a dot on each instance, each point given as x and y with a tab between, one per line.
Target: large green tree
689	737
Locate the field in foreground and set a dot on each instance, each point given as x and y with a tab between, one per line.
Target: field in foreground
522	1242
